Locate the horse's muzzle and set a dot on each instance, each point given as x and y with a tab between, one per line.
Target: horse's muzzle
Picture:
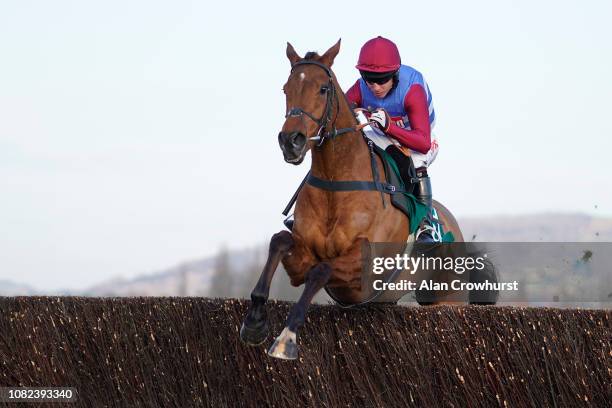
293	145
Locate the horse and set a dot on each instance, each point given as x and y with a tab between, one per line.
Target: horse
324	247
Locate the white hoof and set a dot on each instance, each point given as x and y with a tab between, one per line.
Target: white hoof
285	346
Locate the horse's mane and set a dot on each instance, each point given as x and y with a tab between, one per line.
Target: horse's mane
311	55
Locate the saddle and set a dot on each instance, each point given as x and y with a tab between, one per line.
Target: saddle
405	167
400	172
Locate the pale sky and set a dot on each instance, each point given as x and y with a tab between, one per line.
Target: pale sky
135	135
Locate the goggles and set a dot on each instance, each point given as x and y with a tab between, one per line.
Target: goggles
377	77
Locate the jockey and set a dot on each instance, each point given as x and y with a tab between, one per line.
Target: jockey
400	106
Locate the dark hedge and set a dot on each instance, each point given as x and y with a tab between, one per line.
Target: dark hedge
179	352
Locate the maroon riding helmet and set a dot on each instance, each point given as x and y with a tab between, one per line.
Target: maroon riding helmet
379	55
379	60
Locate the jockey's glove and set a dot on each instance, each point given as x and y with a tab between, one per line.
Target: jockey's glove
380	118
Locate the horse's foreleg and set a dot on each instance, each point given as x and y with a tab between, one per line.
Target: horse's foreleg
285	346
254	328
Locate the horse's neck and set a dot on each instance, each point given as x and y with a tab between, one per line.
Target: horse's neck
346	157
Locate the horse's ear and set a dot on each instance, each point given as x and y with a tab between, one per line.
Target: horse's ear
328	57
292	55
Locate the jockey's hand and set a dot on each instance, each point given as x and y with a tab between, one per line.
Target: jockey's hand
380	118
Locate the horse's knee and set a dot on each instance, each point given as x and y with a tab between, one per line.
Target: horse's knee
320	273
281	242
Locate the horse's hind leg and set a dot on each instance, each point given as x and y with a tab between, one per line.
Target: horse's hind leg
254	328
285	346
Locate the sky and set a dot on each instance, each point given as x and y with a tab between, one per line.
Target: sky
135	135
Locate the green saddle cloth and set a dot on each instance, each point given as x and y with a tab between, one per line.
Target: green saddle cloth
406	202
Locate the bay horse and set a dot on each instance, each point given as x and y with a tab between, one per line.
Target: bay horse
324	248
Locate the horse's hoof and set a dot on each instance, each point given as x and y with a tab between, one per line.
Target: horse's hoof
254	336
285	346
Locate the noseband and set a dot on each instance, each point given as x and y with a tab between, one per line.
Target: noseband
324	121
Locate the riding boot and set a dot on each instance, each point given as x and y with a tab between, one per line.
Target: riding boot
427	231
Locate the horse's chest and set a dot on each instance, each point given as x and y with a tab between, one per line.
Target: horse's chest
331	236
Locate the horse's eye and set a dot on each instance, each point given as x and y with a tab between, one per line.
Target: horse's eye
324	89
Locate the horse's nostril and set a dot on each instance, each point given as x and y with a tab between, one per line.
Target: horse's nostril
298	139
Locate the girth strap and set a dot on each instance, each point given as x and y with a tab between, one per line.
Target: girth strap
376	185
328	185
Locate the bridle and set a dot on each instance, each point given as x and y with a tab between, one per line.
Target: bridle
326	119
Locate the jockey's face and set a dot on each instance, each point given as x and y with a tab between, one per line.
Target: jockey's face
380	90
